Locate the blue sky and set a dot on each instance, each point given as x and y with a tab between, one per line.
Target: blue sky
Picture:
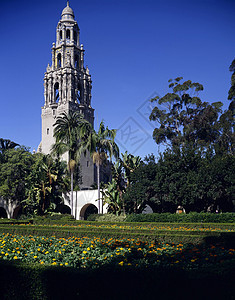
131	47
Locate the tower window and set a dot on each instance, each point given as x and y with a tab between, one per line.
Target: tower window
75	36
59	60
76	63
87	163
47	131
56	90
61	34
68	34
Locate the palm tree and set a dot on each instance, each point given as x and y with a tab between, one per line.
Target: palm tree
7	144
67	140
130	164
100	145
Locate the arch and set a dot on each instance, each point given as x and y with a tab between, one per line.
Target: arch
3	213
87	210
59	60
17	211
68	34
147	210
56	92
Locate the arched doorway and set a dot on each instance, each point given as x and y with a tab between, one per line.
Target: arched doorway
87	210
3	213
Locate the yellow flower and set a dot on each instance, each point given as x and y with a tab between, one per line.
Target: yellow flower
15	257
35	256
121	263
66	264
6	254
88	249
41	262
84	252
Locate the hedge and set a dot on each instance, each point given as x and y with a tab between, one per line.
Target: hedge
184	218
162	235
20	281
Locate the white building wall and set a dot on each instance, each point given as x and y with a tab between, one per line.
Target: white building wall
82	199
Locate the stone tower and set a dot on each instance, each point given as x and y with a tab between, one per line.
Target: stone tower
67	86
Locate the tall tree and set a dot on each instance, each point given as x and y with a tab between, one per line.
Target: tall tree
100	145
67	135
183	118
14	171
231	93
45	184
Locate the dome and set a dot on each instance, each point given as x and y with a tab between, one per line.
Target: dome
67	12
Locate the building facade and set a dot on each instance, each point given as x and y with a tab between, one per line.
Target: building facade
67	87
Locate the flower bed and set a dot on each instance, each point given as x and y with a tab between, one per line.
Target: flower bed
95	252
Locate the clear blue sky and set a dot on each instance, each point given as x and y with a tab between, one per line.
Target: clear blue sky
131	47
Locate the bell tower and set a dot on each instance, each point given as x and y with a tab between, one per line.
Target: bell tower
67	84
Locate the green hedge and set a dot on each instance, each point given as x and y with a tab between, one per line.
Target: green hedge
184	218
25	281
136	232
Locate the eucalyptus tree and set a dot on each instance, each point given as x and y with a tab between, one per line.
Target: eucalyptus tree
182	117
67	140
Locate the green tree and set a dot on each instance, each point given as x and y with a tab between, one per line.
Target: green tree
183	118
67	130
45	185
14	171
231	92
100	145
141	191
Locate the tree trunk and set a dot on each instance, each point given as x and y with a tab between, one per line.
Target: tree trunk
71	197
76	203
98	185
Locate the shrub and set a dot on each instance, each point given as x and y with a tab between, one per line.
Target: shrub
106	218
192	217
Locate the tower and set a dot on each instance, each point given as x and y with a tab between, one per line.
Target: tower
67	86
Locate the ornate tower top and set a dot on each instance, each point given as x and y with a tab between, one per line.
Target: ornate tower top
67	13
67	84
66	80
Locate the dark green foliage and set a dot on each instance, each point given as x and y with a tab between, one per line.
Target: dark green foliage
68	283
34	181
198	181
183	118
45	184
15	168
141	190
183	218
231	93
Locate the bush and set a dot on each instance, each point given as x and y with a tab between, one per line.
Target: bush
48	219
192	217
106	218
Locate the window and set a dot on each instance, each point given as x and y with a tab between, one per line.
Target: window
61	34
56	92
59	60
68	34
87	163
75	37
47	131
76	63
